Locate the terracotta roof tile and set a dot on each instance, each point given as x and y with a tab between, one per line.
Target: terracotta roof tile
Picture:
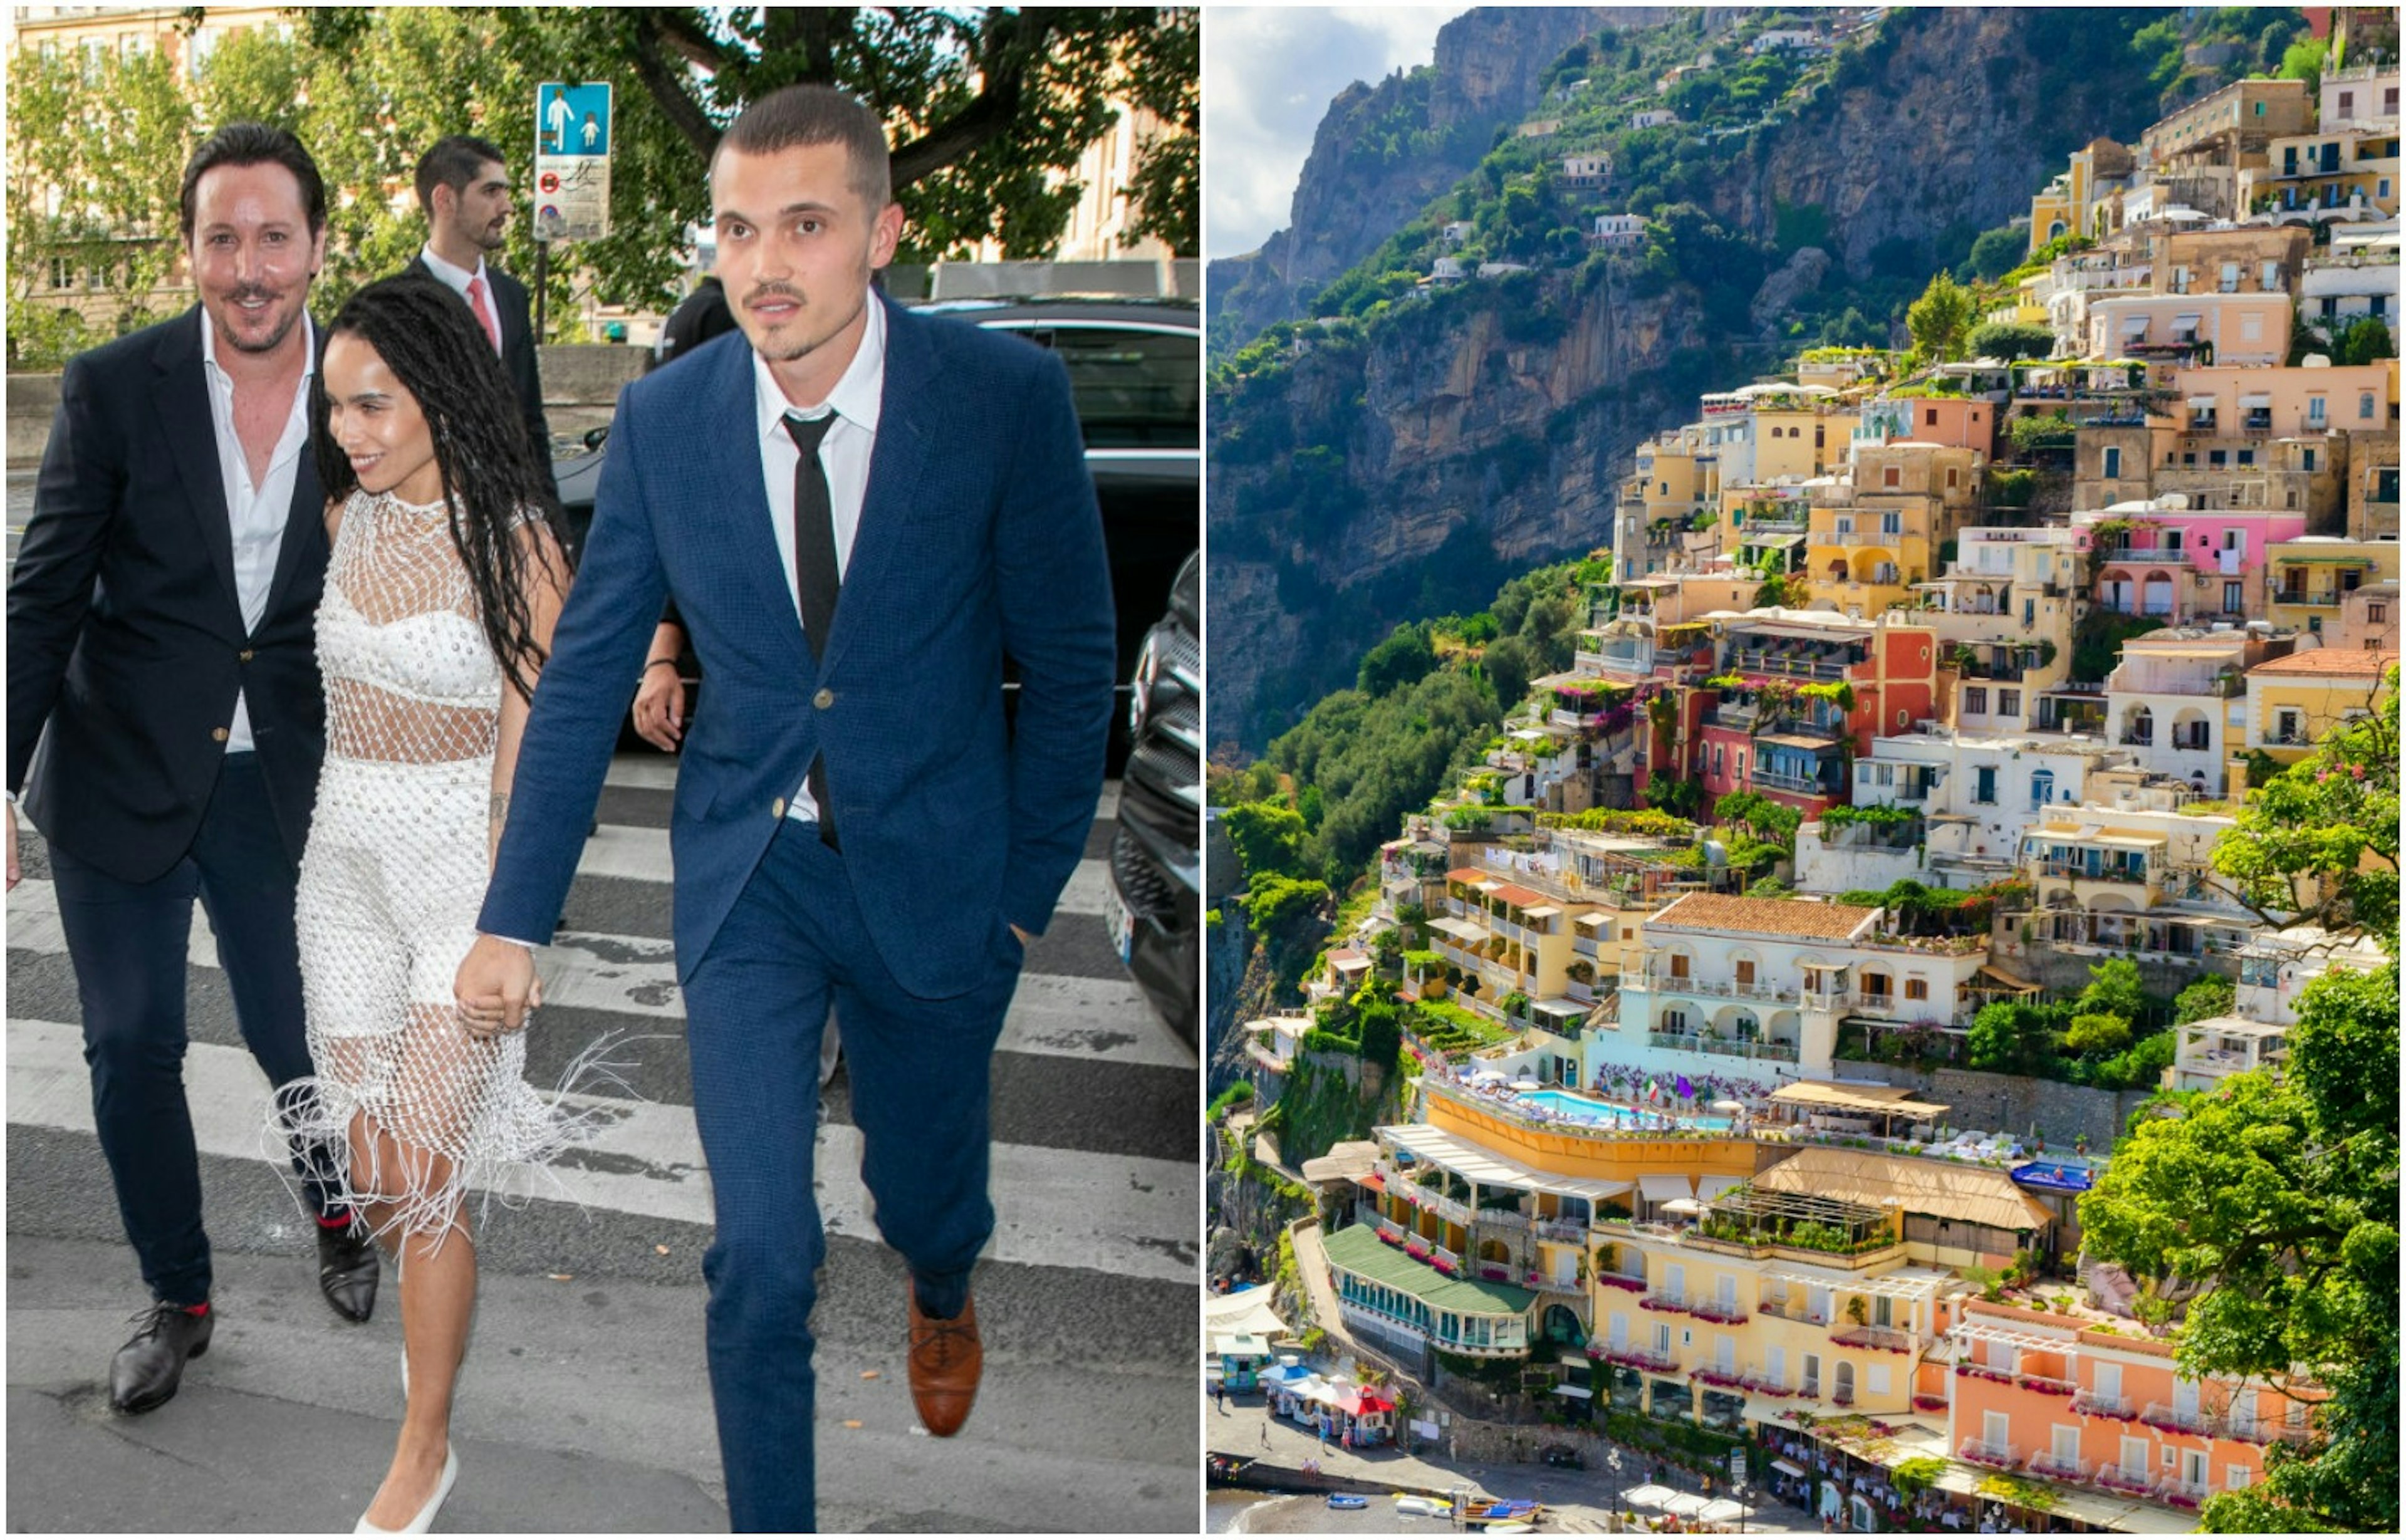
1764	916
1518	897
2329	662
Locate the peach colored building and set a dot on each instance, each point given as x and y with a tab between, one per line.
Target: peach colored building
2090	1400
2227	401
2173	329
1963	422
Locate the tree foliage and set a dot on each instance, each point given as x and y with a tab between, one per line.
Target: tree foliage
991	109
1940	319
2320	839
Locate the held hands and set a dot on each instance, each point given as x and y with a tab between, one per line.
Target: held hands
659	709
496	987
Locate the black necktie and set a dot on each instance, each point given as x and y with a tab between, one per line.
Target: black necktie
817	579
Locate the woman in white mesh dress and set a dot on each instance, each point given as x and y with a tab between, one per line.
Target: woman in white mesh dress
447	573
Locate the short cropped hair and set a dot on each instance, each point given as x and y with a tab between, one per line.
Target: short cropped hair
252	144
795	116
453	162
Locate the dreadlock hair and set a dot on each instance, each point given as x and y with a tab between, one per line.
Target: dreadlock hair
434	343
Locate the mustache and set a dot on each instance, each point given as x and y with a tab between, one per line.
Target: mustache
243	292
782	290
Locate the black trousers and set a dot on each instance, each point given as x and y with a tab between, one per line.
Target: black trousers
128	941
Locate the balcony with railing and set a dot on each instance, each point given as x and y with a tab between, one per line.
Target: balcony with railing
1827	1000
1785	665
1800	785
2059	1467
2079	871
2091	1404
1886	540
1885	1339
1792	1309
1729	989
1727	1048
2188	1420
2154	676
1995	1457
2180	1493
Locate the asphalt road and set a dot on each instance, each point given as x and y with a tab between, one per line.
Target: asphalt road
584	1407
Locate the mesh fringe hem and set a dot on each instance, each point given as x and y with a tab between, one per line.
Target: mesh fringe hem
505	1157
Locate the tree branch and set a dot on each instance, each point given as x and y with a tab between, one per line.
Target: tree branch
666	85
1011	51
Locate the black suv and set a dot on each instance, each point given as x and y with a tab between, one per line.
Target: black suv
1153	903
1135	375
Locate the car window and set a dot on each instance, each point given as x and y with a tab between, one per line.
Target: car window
1133	389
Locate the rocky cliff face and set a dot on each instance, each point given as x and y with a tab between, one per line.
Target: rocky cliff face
1488	428
1470	428
1489	65
1958	120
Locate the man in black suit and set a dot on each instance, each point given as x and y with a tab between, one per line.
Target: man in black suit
162	652
464	188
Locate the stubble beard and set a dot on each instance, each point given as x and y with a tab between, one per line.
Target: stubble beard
240	344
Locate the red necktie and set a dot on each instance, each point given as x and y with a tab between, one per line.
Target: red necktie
479	301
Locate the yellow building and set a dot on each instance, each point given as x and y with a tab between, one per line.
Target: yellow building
2075	203
1697	1285
2307	579
1870	539
2294	702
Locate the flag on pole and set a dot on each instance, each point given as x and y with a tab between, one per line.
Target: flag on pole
1687	1092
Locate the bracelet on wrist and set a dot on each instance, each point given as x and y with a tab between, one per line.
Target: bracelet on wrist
659	663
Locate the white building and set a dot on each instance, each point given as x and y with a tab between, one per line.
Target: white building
1978	796
1755	989
1446	270
2131	872
1653	117
2177	700
1587	170
2211	1051
2276	966
1617	230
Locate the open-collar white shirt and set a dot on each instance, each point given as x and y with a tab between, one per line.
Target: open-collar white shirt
844	455
256	515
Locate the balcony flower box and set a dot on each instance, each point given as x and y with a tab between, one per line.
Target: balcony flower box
1415	1251
2042	1384
1706	1375
2112	1479
1392	1237
1442	1265
1495	1275
2180	1498
1972	1454
1842	1398
1595	1351
1873	1338
2165	1425
1720	1314
1614	1280
1982	1371
1665	1302
1929	1402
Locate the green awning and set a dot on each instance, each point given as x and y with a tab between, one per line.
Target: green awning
1358	1249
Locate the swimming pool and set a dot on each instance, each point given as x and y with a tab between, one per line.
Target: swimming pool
1574	1109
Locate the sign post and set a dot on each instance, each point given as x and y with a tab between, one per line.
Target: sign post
572	125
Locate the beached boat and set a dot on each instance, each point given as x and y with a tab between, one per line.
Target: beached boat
1346	1500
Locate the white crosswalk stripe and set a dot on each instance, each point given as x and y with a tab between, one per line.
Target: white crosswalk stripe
1130	1215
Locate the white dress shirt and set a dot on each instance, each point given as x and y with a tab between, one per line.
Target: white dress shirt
458	279
257	513
844	455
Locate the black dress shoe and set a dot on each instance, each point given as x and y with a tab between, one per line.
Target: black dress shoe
347	1270
146	1370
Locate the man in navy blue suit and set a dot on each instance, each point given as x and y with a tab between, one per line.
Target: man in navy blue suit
859	512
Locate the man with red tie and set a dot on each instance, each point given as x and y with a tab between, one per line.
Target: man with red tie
464	188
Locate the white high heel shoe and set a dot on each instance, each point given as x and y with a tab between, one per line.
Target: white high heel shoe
424	1519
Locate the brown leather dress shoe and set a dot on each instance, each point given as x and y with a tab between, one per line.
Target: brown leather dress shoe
945	1359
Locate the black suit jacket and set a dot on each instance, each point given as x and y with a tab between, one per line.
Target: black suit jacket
126	642
510	301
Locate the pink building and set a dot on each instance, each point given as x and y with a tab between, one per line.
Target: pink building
2082	1400
2181	563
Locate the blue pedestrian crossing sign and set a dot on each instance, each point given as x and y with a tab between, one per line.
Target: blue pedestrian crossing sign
572	160
572	120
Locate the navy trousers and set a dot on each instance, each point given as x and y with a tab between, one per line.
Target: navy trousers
128	941
794	946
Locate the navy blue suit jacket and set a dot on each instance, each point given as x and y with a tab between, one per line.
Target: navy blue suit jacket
979	536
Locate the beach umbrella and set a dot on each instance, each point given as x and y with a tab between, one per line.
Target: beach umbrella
1729	1106
1647	1496
1526	1085
1721	1510
1685	1503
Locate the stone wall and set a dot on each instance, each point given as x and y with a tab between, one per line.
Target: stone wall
2016	1104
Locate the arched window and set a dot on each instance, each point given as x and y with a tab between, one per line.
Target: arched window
2042	788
